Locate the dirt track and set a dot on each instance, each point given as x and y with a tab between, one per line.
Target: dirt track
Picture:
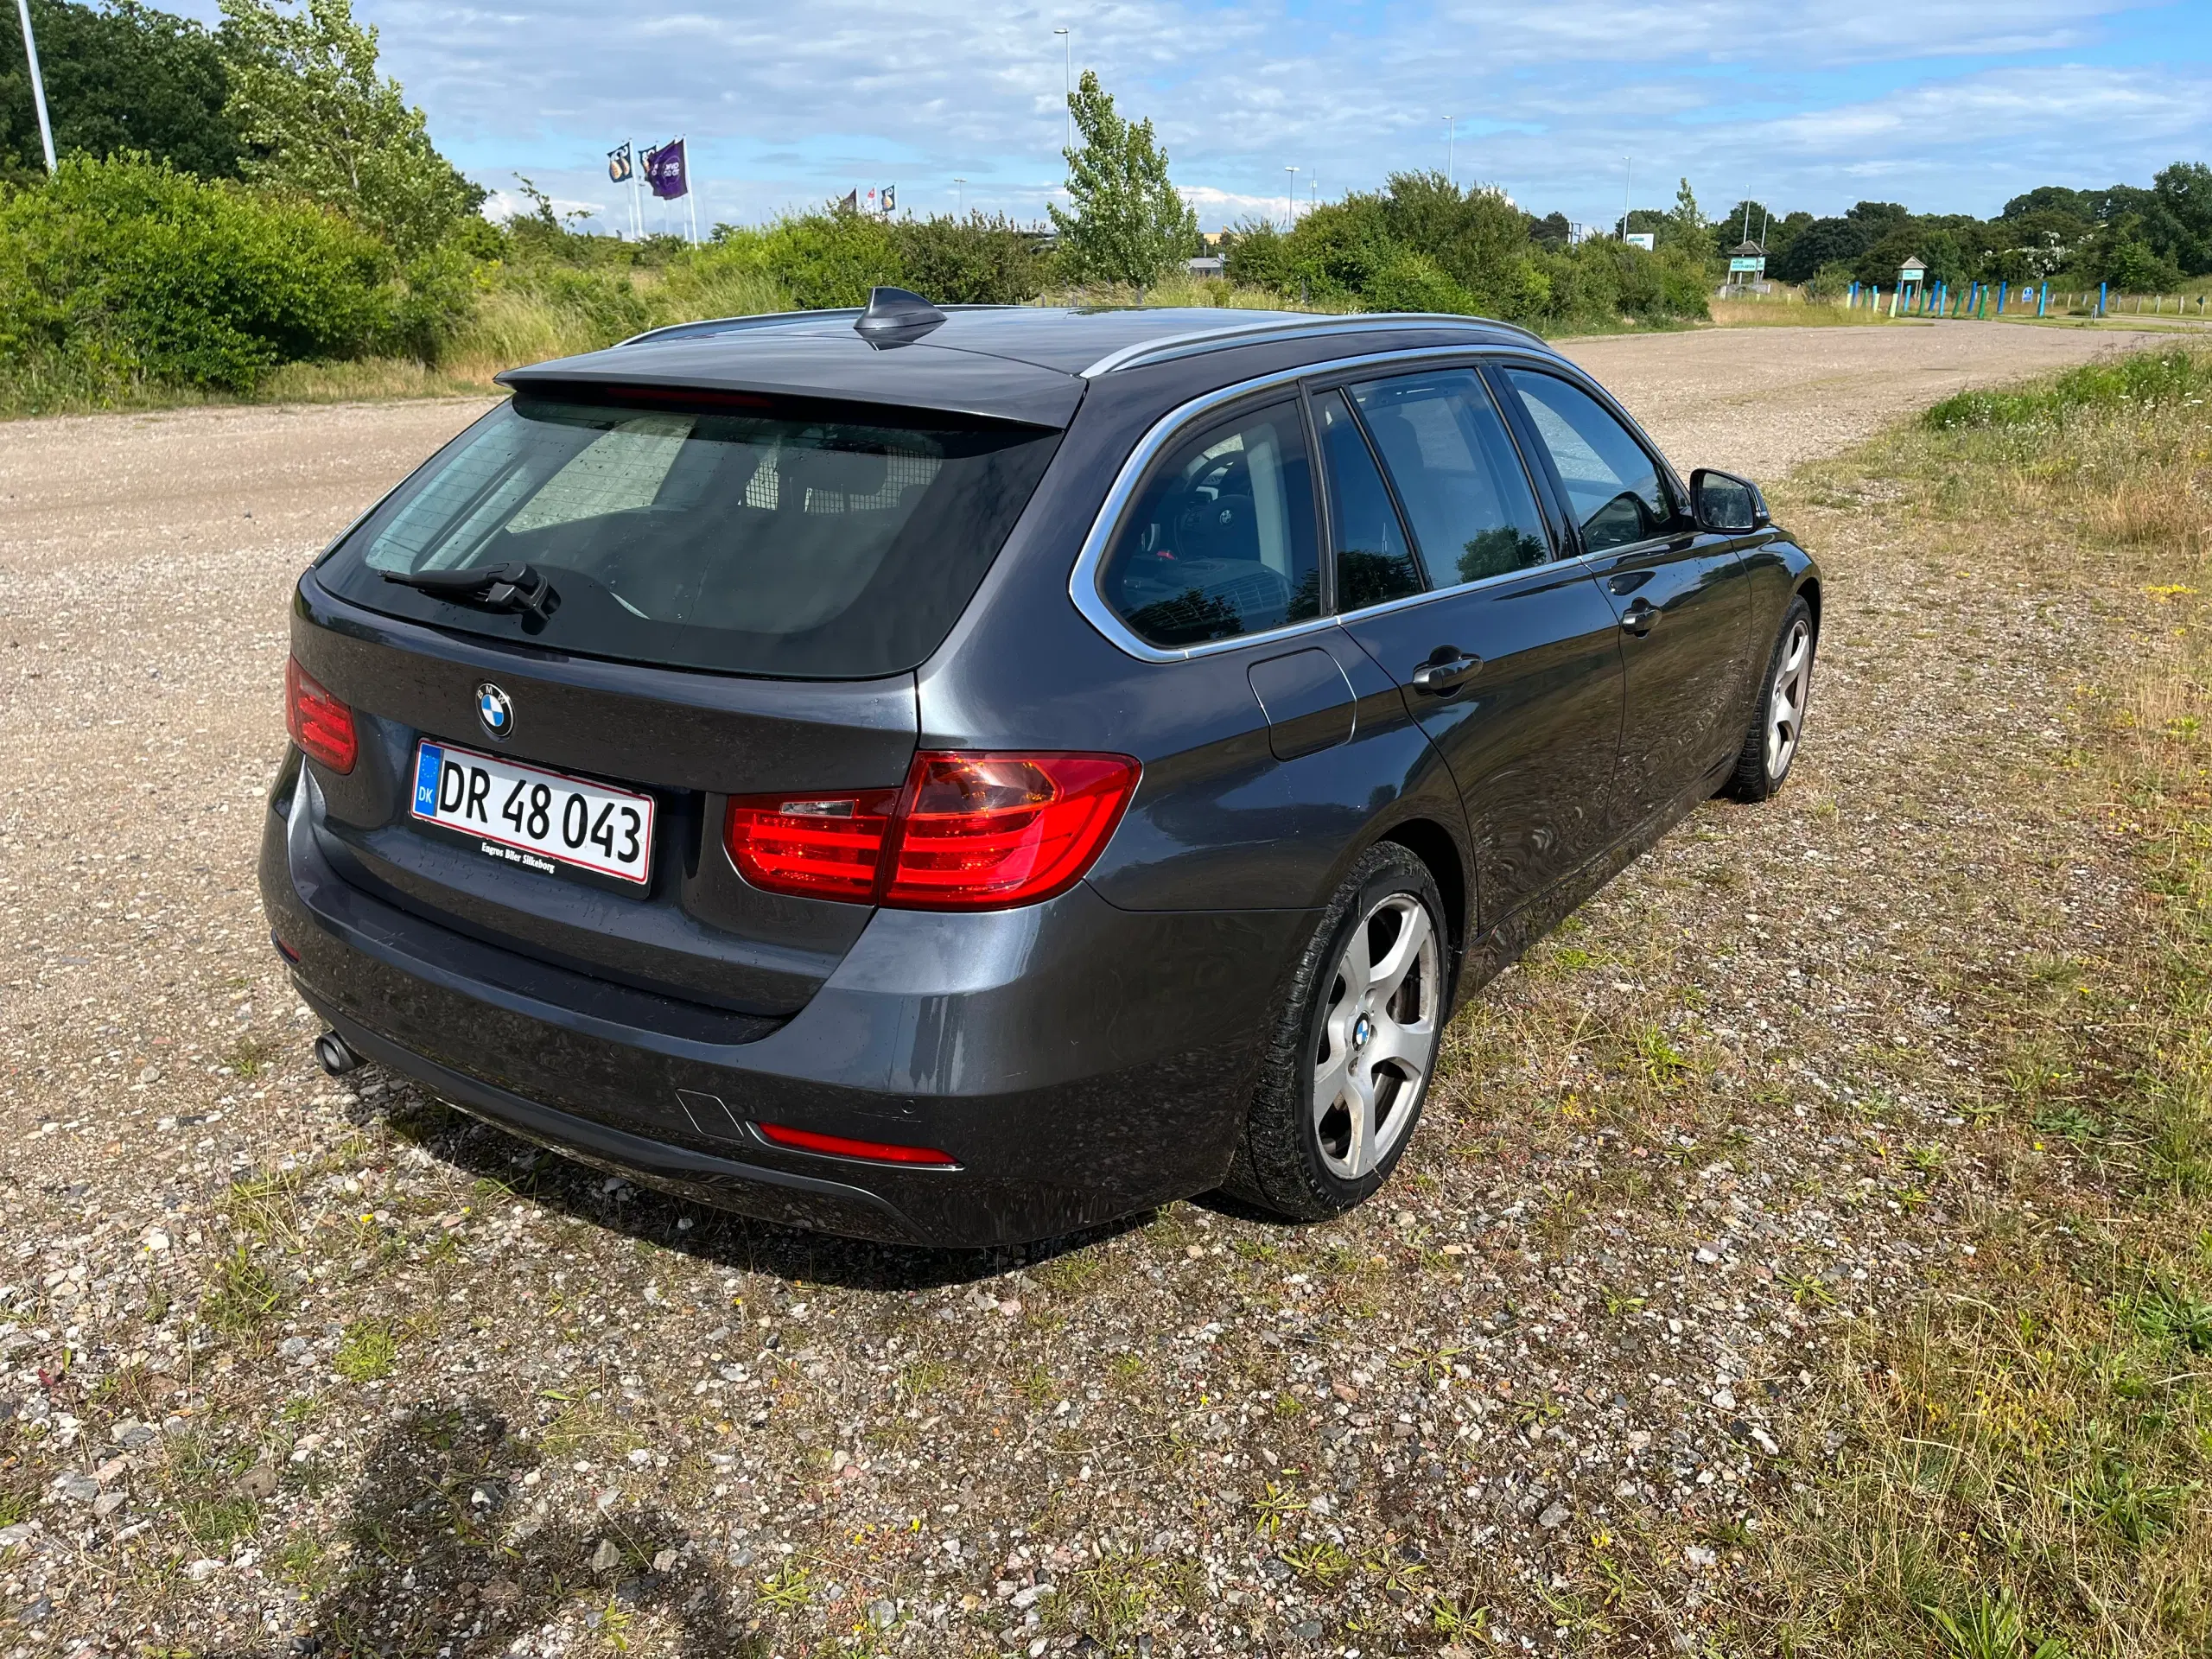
152	1055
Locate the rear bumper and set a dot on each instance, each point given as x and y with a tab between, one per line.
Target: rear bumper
1078	1061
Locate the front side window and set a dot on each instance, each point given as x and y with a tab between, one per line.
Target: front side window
1612	482
1461	480
776	540
1220	541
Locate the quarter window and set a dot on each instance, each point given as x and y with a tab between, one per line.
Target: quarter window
1459	476
1611	481
1373	561
1220	542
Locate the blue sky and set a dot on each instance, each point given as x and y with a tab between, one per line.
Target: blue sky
1945	104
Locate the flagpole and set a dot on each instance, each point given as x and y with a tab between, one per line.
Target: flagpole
636	213
690	196
38	83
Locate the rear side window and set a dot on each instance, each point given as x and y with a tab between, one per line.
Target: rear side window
1220	540
1373	561
764	540
1458	475
1611	481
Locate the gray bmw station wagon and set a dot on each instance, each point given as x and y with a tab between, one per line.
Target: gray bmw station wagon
955	777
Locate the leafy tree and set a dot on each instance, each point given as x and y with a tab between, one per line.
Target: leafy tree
2080	206
120	77
1747	221
1685	230
1837	240
1781	233
1129	224
317	117
1551	231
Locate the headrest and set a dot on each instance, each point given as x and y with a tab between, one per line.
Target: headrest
848	473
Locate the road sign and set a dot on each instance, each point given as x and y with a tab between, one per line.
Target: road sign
1757	265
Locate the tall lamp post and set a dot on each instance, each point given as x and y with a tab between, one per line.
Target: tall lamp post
1067	137
960	198
1451	139
38	83
1627	184
1290	201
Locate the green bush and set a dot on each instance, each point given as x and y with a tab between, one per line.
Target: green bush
2143	380
128	270
1425	244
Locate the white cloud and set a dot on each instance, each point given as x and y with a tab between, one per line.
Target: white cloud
1802	102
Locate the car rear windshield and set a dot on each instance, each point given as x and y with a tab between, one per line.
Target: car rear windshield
751	535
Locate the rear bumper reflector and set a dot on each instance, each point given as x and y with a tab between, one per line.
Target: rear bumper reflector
838	1146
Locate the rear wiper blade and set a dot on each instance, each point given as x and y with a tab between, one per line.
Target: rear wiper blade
513	587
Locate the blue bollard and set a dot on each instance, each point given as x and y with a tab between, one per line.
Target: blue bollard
2001	287
2101	299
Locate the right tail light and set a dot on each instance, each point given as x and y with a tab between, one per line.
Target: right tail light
966	831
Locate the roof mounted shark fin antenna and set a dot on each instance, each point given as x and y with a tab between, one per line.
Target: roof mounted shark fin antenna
896	316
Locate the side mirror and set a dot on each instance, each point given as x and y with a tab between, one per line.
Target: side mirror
1726	503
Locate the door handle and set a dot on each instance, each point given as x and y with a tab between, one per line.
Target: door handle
1447	669
1639	617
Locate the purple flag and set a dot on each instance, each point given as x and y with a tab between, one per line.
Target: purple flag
664	170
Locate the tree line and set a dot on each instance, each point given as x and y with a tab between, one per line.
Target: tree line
235	199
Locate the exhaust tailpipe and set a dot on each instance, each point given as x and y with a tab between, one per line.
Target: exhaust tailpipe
334	1055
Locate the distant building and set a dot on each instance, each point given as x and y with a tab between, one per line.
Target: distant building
1209	265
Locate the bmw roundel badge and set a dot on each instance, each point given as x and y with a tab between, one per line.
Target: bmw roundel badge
495	710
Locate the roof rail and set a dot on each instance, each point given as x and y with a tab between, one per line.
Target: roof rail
1213	340
734	325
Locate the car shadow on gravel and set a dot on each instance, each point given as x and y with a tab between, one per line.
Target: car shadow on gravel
445	1550
720	1237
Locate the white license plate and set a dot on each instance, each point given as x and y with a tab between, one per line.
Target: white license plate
542	820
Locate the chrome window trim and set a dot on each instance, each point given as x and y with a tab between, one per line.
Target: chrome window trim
1083	581
1167	347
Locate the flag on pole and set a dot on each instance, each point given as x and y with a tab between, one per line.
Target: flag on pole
619	164
851	204
890	199
665	172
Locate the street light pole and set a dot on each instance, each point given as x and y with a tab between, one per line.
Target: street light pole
1068	94
38	83
959	198
1451	137
1629	162
1290	201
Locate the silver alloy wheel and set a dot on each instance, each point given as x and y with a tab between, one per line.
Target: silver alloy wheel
1378	1036
1786	699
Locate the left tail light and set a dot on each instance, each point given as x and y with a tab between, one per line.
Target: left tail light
965	832
321	725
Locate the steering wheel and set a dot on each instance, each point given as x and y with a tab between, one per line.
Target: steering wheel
1218	528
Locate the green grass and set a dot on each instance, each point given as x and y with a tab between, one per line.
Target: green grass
245	1296
367	1353
2020	1466
2141	381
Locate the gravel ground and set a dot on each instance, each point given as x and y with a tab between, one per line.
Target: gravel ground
291	1367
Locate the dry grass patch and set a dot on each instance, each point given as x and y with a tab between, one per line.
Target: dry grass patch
2020	1463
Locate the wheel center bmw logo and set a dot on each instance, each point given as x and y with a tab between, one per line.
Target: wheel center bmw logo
1362	1030
493	710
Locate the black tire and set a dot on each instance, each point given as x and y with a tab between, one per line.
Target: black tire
1284	1160
1757	775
